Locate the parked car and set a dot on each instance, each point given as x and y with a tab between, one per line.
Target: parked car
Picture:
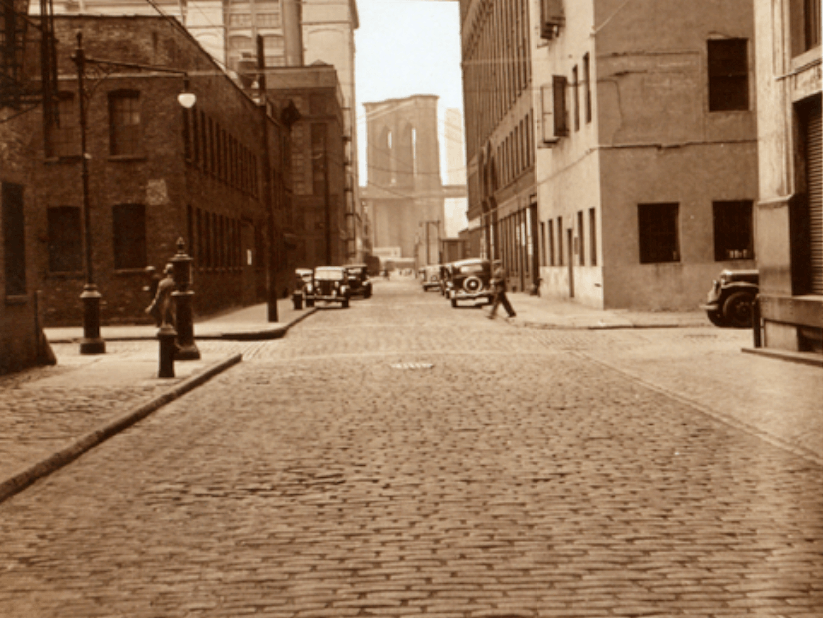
431	276
359	282
470	280
729	302
329	283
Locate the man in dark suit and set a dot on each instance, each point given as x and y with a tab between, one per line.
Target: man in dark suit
499	286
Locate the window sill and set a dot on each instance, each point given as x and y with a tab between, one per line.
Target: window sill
127	158
17	300
62	160
806	59
65	275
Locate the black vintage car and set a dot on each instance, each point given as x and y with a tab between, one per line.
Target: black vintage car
470	280
359	282
329	283
729	302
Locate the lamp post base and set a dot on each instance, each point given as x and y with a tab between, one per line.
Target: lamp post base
92	342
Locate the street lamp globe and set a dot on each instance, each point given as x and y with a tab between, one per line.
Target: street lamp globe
187	99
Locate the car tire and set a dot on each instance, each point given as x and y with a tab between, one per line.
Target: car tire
454	303
345	303
737	310
367	293
716	318
309	302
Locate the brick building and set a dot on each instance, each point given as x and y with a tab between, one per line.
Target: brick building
26	82
158	172
612	146
321	185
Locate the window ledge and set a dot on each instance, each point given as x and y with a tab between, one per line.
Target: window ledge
63	160
17	300
806	59
65	275
127	158
130	271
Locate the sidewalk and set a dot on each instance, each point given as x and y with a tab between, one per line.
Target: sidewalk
246	324
537	312
49	416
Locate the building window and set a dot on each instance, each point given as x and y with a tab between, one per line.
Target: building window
14	239
318	156
728	75
543	256
733	230
561	115
64	139
593	236
658	233
124	123
811	24
129	233
581	249
561	260
65	240
550	234
576	90
587	78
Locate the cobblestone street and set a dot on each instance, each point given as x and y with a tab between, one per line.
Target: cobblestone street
402	458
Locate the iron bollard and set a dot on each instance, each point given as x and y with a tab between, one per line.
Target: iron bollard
168	348
187	348
297	299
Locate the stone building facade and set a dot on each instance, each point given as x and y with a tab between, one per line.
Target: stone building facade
789	212
612	146
158	172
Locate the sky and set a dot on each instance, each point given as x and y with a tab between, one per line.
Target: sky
404	48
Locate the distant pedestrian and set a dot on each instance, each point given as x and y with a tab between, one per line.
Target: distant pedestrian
499	288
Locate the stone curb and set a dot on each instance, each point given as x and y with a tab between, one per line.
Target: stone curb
252	335
64	456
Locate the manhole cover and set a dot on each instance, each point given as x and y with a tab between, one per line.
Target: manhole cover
412	366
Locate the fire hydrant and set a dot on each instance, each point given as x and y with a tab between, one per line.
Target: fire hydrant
168	348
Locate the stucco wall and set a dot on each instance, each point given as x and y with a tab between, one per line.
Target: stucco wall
693	177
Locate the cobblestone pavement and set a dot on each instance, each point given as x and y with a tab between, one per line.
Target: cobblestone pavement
401	458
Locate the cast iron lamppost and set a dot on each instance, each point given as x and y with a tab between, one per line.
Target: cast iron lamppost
92	342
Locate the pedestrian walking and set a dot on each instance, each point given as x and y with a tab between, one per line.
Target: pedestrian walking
499	287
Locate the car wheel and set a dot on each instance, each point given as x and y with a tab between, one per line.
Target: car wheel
367	293
454	302
716	318
345	303
309	302
737	310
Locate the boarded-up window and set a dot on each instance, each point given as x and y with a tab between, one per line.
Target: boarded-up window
65	239
129	232
14	239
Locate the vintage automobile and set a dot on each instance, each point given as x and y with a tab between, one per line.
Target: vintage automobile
329	283
431	276
359	282
729	302
470	280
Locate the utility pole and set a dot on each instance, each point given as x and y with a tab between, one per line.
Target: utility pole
267	185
